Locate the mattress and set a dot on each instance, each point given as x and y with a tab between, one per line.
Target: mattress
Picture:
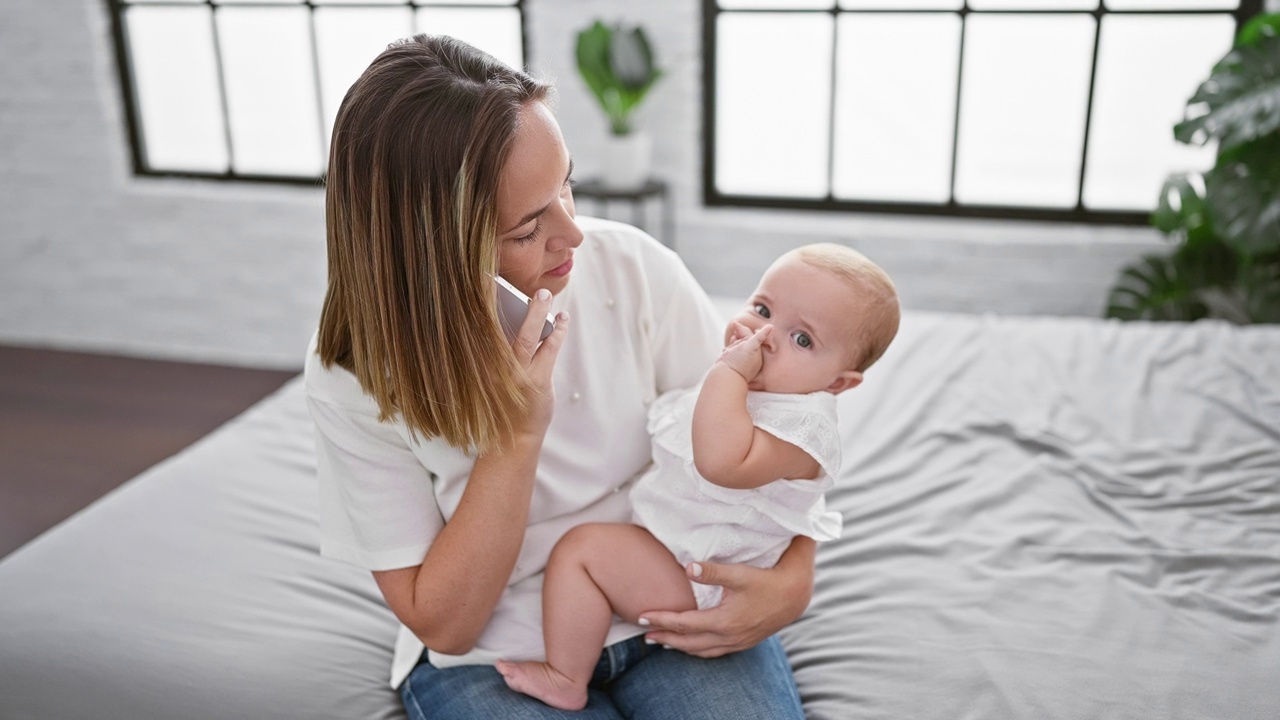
1043	517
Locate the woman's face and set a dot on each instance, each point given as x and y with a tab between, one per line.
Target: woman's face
536	231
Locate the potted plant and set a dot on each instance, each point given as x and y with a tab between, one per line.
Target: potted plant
1226	221
616	62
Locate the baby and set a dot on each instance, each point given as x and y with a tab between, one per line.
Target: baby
740	468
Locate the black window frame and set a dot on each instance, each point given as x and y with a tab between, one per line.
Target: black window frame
129	95
1078	214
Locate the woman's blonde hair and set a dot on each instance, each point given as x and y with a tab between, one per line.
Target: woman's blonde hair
881	313
418	147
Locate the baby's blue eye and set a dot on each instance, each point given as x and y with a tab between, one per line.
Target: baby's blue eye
761	310
803	340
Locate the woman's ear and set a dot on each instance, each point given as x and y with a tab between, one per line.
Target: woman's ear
846	380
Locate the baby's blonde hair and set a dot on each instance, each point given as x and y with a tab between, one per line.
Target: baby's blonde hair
880	309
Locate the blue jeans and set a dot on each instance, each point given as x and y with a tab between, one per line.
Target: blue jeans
632	680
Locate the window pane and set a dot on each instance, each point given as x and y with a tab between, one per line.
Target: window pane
1033	4
179	105
777	4
494	30
902	4
773	108
461	2
1173	4
271	90
894	120
1022	109
348	40
1148	66
401	3
258	2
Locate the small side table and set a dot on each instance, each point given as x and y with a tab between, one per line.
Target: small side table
639	200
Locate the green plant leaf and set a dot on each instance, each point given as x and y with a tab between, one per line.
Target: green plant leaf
617	65
1239	102
1260	282
1153	289
631	97
1181	204
1257	29
1206	262
593	62
1243	196
1226	221
631	57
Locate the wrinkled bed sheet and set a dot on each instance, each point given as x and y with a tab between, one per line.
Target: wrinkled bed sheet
1044	518
1054	518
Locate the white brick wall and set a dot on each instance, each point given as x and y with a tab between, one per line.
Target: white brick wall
92	258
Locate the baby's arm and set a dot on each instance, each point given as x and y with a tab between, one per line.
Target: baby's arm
728	449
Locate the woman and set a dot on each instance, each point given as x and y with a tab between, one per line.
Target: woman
450	458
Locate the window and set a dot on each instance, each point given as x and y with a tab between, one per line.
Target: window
248	89
1039	109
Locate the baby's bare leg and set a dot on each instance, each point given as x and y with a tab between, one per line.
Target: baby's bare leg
595	571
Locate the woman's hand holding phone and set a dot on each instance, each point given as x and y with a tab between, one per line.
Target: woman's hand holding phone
513	307
537	354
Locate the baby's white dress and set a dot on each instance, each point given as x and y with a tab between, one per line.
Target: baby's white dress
698	520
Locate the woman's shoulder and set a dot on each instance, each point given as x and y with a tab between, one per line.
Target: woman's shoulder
594	227
334	385
623	255
618	241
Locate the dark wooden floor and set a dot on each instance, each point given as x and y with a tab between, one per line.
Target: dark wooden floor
74	426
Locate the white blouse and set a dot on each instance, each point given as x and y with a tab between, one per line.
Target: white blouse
699	520
641	326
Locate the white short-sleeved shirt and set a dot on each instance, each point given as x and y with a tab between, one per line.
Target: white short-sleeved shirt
641	326
699	520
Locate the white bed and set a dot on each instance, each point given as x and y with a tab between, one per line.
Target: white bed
1044	518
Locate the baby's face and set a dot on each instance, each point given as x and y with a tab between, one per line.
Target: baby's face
814	315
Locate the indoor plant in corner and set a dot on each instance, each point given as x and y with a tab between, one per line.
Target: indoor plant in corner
1225	221
616	62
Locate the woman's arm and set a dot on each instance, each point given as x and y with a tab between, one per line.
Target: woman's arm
448	599
757	603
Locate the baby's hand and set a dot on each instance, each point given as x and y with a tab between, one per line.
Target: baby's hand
736	333
743	354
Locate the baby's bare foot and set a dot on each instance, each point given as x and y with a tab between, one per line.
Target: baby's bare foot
545	683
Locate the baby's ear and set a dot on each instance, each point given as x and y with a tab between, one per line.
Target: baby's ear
846	380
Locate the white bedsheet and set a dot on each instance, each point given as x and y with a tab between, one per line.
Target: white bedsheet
1054	518
1044	518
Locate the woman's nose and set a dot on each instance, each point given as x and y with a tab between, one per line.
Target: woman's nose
568	237
565	232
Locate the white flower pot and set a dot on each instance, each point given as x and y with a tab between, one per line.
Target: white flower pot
627	161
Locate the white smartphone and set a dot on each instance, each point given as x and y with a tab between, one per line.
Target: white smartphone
513	305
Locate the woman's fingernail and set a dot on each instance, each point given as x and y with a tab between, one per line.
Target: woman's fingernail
666	647
643	622
696	569
650	641
544	294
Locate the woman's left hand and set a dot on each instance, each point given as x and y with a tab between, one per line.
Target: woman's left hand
756	604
